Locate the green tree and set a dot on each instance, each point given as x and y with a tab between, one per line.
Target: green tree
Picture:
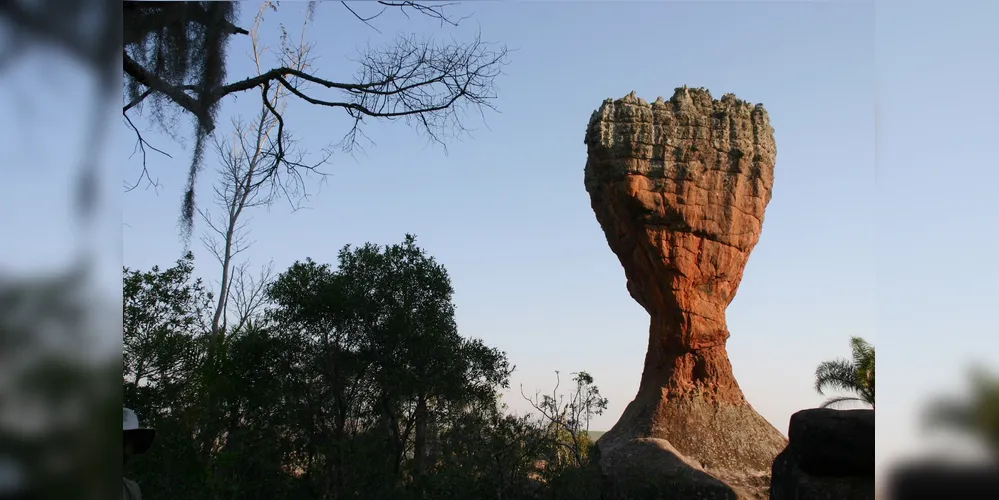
353	384
977	415
566	420
855	375
258	393
58	392
487	453
311	306
240	446
163	313
390	366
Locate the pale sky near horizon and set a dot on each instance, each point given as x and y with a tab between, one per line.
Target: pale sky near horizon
881	224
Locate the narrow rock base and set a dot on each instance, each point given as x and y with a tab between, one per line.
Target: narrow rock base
688	449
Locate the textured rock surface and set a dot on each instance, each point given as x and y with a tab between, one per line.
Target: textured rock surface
830	456
679	188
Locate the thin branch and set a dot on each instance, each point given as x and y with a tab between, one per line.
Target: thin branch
139	25
429	85
141	145
403	82
277	116
435	11
365	20
176	94
137	100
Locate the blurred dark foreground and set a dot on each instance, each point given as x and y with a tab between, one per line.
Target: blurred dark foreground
59	392
943	481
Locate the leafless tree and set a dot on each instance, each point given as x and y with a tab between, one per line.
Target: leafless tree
249	176
430	85
249	292
567	419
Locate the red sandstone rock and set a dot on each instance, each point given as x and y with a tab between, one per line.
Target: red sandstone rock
680	188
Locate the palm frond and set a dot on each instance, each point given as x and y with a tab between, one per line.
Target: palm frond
856	375
862	350
842	399
838	374
863	357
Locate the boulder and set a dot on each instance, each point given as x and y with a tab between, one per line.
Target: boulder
829	456
827	442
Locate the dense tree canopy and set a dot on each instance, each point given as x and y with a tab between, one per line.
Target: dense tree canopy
352	382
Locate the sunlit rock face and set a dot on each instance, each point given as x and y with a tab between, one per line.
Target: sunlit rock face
680	188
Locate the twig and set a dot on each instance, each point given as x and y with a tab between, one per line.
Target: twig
365	20
137	100
141	145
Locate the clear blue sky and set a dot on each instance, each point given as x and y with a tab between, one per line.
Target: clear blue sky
881	225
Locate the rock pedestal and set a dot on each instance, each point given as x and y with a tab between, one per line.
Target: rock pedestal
680	188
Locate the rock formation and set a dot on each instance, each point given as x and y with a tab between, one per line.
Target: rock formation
679	188
829	456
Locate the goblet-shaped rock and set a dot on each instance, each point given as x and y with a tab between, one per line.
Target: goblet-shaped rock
680	188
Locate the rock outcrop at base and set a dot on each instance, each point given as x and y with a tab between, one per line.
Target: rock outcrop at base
680	188
829	456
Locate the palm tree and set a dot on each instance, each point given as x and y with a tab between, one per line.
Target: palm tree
977	415
856	376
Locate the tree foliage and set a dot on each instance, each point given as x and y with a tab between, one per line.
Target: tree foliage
855	375
58	393
977	415
566	421
352	382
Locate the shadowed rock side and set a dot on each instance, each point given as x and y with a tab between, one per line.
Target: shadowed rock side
830	456
679	188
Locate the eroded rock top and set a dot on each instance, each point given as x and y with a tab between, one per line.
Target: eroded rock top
680	188
710	162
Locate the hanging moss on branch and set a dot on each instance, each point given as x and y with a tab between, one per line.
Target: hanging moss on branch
175	53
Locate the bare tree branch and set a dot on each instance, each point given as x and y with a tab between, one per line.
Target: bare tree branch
569	418
249	293
175	93
250	175
435	11
430	85
365	20
140	146
135	102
